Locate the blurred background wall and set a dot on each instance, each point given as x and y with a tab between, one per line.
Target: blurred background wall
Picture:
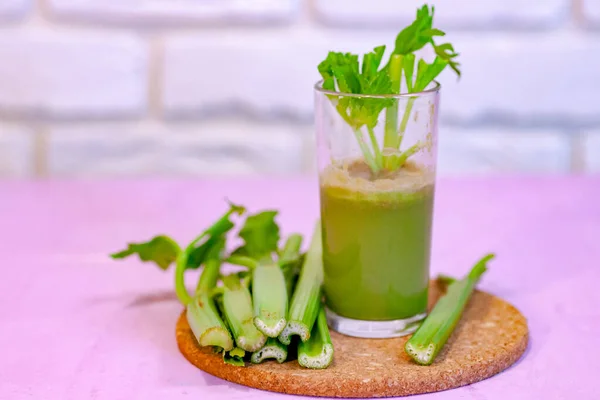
127	88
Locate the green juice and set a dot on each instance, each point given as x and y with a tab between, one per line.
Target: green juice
376	242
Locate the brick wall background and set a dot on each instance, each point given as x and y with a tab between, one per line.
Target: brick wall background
121	88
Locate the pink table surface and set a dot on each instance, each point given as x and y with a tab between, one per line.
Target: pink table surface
76	325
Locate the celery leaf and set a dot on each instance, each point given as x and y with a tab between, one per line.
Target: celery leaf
260	234
210	243
162	250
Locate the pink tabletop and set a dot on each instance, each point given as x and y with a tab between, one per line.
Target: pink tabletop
76	325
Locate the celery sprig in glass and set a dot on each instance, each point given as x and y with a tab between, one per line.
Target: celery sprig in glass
343	73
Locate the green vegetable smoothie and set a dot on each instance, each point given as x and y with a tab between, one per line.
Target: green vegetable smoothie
376	241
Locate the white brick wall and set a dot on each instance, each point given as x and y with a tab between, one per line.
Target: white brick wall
10	9
501	74
50	74
256	72
592	151
455	13
194	87
525	77
16	151
591	9
148	149
176	11
484	151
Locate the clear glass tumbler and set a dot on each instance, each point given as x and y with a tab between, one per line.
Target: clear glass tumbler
377	165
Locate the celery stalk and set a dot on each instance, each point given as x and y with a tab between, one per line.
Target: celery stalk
273	349
202	314
291	273
431	336
269	294
306	298
405	118
290	261
376	149
391	113
369	158
317	352
242	261
397	161
207	326
270	286
291	249
237	308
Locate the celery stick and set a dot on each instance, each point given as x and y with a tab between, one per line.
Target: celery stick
291	271
202	314
397	161
306	298
405	118
242	261
391	113
237	307
317	352
291	249
270	299
290	261
369	158
272	287
273	349
376	149
207	326
431	336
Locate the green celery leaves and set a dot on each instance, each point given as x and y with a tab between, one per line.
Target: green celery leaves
204	245
260	234
343	70
162	250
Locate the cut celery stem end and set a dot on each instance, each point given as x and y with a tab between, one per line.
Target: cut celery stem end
237	307
432	335
273	349
234	357
305	303
270	299
202	314
317	352
206	324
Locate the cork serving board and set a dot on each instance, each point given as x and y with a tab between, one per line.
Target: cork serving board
491	336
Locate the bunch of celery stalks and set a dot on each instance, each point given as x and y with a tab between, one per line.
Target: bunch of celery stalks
268	305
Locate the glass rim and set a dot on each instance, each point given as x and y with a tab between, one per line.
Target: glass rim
433	90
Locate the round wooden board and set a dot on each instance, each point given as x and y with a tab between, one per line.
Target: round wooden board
491	336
